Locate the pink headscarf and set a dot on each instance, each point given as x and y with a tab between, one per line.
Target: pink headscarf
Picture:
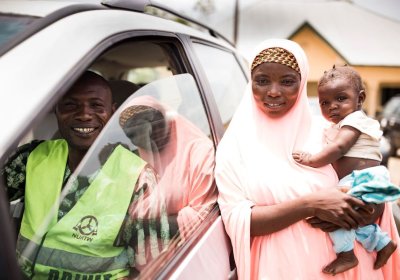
254	166
185	166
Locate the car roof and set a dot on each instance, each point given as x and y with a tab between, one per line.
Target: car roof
50	11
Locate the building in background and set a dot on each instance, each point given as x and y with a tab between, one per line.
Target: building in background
331	32
353	32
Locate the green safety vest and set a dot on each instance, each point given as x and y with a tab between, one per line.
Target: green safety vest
80	245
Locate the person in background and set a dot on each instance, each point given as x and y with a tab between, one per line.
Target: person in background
352	147
78	226
266	197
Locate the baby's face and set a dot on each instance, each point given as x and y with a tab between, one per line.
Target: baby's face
337	99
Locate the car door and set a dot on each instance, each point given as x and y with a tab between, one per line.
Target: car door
157	63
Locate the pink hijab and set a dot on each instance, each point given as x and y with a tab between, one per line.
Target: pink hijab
185	166
254	166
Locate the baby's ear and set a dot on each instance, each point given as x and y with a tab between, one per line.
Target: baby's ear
361	97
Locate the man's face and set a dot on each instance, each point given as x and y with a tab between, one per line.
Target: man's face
83	112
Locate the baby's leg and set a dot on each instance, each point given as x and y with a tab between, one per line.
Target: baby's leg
343	241
373	238
343	262
384	254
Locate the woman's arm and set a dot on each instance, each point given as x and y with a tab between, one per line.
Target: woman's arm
329	205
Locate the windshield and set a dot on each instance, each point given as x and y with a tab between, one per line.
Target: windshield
12	25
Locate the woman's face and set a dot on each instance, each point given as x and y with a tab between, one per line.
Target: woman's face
139	129
275	88
147	129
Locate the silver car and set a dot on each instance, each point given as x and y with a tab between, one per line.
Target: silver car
46	45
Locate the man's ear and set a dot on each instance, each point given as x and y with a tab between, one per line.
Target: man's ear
114	107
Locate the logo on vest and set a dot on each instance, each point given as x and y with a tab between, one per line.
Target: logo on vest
64	275
86	228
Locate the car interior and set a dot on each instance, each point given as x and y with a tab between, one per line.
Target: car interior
128	67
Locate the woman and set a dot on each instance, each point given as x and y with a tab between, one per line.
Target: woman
265	196
182	156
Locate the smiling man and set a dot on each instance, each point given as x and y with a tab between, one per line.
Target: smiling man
82	113
78	226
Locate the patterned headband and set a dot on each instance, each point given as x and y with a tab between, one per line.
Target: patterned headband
130	112
277	55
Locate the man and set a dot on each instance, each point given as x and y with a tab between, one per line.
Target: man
76	227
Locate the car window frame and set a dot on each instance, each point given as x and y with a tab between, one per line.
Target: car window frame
205	86
239	63
74	73
8	263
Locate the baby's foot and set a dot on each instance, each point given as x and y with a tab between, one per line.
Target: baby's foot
384	254
344	261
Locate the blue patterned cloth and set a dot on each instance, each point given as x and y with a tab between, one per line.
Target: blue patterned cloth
370	236
373	185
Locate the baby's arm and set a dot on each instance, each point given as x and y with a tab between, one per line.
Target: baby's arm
342	143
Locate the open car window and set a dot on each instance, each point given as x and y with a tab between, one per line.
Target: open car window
146	184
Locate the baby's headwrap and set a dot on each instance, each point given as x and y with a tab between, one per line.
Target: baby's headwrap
277	55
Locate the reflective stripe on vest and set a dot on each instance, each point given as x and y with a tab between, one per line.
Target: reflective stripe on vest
81	243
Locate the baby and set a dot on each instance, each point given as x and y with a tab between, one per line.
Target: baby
352	147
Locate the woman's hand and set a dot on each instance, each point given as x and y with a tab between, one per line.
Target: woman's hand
331	206
322	225
367	217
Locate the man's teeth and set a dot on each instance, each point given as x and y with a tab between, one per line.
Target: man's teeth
83	130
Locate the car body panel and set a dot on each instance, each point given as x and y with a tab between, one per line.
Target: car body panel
209	259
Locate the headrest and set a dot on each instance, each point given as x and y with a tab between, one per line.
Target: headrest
121	90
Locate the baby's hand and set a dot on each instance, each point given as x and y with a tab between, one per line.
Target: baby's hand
302	157
344	189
